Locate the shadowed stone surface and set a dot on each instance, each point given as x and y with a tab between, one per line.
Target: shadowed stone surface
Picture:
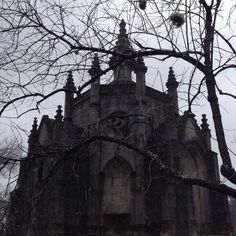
106	189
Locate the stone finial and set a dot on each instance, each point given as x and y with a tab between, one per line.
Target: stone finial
34	126
123	44
140	66
172	86
122	37
171	83
95	69
69	96
206	132
140	69
122	27
204	125
122	72
70	86
33	136
58	117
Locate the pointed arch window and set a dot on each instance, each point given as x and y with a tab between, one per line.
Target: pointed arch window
195	166
117	187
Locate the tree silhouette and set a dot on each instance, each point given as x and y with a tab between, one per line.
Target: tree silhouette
43	40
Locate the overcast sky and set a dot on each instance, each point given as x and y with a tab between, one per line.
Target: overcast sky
226	81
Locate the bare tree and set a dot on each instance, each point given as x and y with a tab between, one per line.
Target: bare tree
11	151
43	40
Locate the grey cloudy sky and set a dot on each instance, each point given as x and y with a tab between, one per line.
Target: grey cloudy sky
156	77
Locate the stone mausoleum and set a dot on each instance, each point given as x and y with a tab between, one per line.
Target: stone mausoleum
69	186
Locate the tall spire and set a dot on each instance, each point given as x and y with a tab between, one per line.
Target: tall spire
123	45
123	70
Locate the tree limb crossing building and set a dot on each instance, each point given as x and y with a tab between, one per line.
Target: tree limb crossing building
69	186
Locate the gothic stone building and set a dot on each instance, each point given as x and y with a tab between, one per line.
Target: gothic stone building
70	187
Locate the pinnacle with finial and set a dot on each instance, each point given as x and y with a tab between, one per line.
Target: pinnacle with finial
123	41
140	66
171	83
58	117
35	125
70	82
204	125
171	76
95	69
122	28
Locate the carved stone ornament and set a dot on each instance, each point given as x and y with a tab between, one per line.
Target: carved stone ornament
119	120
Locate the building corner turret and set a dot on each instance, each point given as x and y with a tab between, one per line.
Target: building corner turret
33	137
58	128
94	104
172	86
206	132
95	72
140	70
69	96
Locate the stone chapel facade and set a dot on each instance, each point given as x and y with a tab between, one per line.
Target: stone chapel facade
70	187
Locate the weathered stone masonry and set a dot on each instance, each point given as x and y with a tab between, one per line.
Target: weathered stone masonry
106	189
